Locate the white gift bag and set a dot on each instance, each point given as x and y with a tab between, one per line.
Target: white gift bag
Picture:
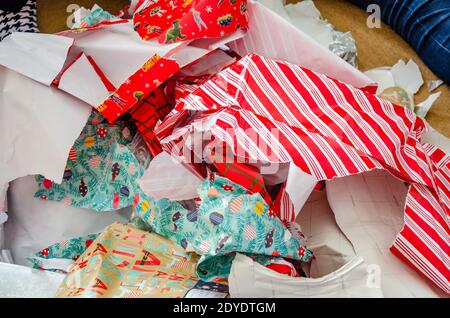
251	279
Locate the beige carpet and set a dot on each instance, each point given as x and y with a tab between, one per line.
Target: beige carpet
376	47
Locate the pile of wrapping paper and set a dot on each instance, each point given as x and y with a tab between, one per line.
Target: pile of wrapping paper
212	148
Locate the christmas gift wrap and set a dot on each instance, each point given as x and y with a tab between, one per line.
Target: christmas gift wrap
101	171
127	262
184	20
66	249
226	219
138	86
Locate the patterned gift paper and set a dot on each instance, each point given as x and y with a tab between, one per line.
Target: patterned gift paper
328	129
226	220
138	86
146	114
101	171
68	249
126	262
185	20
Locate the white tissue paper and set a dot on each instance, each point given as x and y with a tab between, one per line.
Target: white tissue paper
25	282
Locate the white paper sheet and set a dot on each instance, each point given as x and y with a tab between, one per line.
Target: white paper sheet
281	40
38	126
369	210
433	84
168	178
36	55
118	50
299	186
81	80
34	224
24	282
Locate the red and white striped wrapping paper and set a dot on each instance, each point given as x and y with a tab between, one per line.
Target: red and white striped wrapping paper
328	129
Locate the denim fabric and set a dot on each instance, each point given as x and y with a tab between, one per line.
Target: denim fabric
424	24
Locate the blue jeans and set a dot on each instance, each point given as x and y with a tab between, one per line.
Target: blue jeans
424	24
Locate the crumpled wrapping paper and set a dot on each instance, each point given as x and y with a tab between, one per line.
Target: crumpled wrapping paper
226	220
129	263
181	20
328	129
101	171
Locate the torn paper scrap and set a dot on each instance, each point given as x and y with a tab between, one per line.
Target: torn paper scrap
89	17
101	171
407	76
305	16
81	80
423	107
56	256
138	86
432	85
399	83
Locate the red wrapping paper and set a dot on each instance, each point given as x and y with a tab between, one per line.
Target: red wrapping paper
183	20
137	87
